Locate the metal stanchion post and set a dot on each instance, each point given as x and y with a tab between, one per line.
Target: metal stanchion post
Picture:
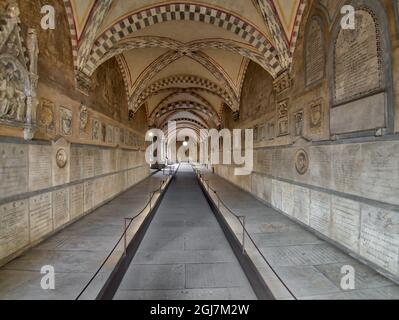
243	234
124	238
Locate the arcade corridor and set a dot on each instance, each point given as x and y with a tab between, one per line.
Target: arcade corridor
199	150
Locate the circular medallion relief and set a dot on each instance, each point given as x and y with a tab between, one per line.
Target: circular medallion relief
301	162
61	158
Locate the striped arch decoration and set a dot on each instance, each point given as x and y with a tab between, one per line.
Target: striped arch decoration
72	30
156	42
172	83
184	106
127	79
172	97
187	12
164	61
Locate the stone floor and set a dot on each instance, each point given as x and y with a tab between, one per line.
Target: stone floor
309	267
76	252
184	254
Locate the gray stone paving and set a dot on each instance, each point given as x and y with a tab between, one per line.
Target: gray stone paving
309	266
184	254
76	252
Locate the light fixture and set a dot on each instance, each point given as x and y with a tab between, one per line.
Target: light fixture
185	144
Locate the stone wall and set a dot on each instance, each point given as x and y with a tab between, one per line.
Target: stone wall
40	193
85	149
326	151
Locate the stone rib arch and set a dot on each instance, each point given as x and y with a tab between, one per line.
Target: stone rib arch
164	61
185	106
159	42
187	12
204	105
194	82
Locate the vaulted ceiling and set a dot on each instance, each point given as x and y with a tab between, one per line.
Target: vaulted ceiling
184	60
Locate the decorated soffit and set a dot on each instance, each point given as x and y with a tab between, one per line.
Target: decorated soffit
211	41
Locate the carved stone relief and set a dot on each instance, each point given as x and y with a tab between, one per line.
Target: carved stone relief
46	120
316	115
96	130
298	116
18	72
83	119
61	158
282	114
301	162
66	122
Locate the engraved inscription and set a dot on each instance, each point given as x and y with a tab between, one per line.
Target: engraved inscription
320	212
39	167
41	222
14	227
315	57
357	59
60	207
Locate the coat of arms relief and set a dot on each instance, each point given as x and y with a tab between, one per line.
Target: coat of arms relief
18	71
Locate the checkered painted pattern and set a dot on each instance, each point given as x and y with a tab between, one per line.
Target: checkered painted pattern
96	19
186	12
273	21
72	30
297	26
192	81
154	42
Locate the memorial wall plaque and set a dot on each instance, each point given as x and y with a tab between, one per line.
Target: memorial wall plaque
357	59
77	160
379	237
347	166
320	170
298	119
13	169
287	198
88	162
277	193
345	224
302	204
41	216
320	212
379	177
95	130
77	200
61	206
98	161
314	52
39	167
88	195
14	227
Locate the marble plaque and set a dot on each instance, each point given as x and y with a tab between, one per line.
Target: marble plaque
379	178
315	56
277	193
41	216
320	212
88	162
61	213
77	200
98	162
77	160
14	227
379	237
39	167
320	168
302	204
13	169
347	166
88	195
345	224
288	198
357	60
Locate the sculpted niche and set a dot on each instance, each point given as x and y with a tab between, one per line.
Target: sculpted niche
18	71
